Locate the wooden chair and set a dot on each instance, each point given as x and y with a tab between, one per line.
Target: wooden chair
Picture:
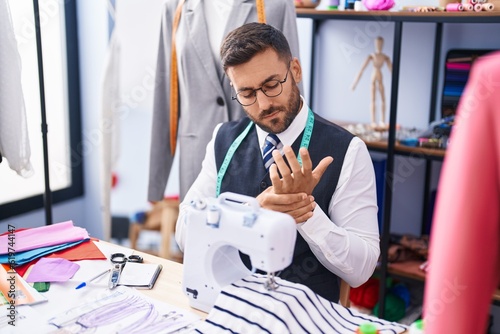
344	294
162	217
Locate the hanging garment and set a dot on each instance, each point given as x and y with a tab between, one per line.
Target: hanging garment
464	253
14	139
246	306
204	89
110	122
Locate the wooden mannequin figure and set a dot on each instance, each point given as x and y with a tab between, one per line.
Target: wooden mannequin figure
378	59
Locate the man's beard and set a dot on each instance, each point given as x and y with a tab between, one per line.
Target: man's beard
290	111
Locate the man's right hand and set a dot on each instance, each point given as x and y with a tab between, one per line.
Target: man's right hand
300	206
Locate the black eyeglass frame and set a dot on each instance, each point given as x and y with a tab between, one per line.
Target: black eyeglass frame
261	88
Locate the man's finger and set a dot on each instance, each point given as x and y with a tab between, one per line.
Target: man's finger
306	160
299	209
322	166
292	161
286	199
275	179
282	166
303	214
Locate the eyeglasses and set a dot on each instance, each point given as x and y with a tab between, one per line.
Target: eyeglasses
272	88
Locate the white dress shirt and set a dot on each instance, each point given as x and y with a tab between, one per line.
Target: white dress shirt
346	239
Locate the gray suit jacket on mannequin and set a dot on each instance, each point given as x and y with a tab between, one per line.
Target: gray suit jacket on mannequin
204	89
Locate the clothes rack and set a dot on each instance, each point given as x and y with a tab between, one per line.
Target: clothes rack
47	197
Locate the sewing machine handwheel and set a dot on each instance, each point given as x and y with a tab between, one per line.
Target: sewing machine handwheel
234	198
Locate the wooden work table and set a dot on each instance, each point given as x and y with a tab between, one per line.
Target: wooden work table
168	287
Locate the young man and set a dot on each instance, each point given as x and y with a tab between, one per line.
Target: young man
334	205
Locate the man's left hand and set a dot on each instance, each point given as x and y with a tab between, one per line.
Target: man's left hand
296	178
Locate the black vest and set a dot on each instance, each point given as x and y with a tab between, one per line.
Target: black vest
246	175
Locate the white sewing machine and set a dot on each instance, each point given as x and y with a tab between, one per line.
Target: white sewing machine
217	229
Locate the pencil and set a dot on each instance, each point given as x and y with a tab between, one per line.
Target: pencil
81	285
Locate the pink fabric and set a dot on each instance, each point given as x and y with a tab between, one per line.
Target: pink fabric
378	4
37	237
458	66
464	252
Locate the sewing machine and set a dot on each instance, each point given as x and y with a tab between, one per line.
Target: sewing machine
217	229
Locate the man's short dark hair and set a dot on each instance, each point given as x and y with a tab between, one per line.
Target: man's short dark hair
243	43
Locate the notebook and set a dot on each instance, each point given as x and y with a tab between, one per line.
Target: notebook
140	275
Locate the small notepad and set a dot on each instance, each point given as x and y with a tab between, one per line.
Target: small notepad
140	275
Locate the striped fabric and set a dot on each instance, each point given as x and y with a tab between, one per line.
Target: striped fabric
247	307
272	143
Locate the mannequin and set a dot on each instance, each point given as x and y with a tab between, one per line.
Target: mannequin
204	90
378	59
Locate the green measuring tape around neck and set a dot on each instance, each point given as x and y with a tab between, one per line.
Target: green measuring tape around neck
306	138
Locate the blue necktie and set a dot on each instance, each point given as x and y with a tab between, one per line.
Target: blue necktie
272	143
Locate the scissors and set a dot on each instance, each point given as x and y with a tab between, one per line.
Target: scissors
119	260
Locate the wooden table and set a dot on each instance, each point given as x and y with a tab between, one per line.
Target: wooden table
168	287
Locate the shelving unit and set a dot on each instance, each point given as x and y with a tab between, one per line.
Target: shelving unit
391	147
428	153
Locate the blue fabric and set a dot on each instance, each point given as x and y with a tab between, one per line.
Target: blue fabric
30	255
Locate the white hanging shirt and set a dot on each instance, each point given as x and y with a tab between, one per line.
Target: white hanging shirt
14	140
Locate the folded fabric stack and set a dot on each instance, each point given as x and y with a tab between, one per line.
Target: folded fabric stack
23	246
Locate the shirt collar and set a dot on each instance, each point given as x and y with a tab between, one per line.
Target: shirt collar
288	136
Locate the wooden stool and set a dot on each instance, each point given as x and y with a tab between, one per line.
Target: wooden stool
345	290
162	217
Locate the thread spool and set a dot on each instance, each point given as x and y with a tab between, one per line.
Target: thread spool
358	6
417	327
473	2
468	7
478	7
454	7
488	7
213	216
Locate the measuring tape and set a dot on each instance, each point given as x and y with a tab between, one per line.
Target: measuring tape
174	82
306	138
261	13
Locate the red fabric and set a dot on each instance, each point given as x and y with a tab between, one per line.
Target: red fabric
365	295
86	250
